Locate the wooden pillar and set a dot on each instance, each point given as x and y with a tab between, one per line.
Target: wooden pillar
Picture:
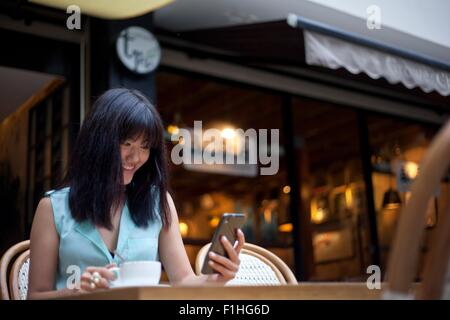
107	69
300	219
367	174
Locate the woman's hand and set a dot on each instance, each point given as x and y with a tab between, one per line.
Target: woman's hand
226	268
95	278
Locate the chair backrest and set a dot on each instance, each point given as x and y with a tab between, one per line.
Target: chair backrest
14	272
405	251
258	266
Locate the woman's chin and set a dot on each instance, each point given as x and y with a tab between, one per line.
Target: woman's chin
127	180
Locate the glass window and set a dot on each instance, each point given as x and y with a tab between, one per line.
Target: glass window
202	193
398	147
333	189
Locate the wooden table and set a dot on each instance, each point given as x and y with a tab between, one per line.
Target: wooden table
303	291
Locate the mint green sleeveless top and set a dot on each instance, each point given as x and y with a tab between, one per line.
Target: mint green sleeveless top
81	245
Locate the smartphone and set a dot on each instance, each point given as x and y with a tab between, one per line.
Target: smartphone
228	225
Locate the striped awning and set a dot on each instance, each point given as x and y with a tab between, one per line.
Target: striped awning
325	51
331	48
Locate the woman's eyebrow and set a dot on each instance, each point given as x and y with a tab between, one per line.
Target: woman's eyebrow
135	139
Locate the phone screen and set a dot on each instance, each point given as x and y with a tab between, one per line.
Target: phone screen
228	225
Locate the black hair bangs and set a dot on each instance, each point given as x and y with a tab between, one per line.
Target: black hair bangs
141	122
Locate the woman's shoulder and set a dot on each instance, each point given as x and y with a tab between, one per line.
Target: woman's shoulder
57	192
59	199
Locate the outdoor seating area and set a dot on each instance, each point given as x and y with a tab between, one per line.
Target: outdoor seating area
232	151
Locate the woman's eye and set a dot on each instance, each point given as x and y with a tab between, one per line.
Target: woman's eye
145	147
127	144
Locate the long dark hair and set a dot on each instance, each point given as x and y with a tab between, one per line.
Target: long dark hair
95	172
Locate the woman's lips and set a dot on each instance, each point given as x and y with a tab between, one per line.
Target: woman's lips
126	168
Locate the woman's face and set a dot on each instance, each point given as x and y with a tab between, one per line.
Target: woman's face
134	153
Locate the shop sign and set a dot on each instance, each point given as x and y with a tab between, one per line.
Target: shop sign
138	50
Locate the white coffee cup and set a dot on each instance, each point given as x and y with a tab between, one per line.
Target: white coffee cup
137	274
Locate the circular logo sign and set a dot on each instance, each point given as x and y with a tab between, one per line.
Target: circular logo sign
138	50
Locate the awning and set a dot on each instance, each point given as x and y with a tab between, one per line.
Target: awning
108	9
278	48
334	49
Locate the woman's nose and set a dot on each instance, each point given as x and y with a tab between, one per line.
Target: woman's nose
133	156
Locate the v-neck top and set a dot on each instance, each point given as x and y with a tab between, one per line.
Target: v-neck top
81	245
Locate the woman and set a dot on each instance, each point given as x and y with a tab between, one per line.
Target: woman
115	204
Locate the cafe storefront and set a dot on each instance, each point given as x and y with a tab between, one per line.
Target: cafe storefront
351	142
327	153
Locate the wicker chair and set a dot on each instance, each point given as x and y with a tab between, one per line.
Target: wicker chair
14	272
258	266
403	260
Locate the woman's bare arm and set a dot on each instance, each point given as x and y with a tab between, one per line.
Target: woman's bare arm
44	247
172	252
176	262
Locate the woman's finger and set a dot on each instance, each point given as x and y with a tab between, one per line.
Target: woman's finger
84	286
227	263
241	241
229	249
85	282
101	281
104	272
88	285
103	284
226	274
